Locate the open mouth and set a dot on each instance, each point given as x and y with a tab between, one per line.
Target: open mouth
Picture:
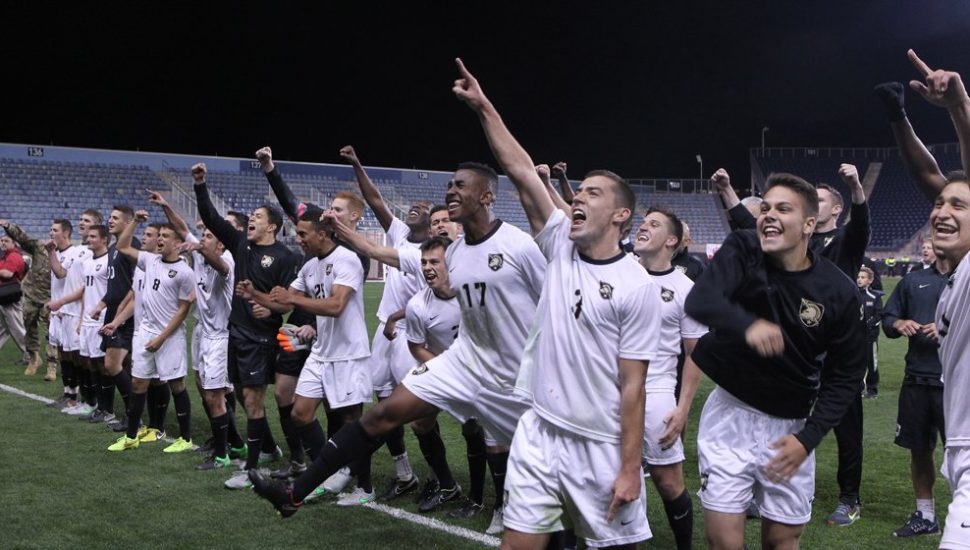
771	232
430	277
944	229
579	217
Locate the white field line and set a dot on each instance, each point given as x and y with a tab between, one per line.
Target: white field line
430	523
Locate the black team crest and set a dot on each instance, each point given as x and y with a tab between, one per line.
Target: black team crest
811	313
606	291
495	262
666	294
172	273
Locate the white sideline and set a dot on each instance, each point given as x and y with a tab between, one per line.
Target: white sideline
430	523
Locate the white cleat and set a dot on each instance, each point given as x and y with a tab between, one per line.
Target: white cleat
496	526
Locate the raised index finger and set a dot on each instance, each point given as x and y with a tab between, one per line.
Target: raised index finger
923	68
461	68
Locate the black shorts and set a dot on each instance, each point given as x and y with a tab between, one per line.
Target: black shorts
920	417
291	363
251	363
121	338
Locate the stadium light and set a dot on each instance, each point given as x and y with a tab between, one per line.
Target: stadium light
701	162
764	129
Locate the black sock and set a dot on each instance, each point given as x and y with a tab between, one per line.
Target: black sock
183	412
498	463
269	443
362	471
106	395
680	515
220	430
346	446
163	393
254	439
69	377
433	449
312	437
232	434
475	445
84	383
122	381
395	441
335	421
231	403
134	414
892	95
289	433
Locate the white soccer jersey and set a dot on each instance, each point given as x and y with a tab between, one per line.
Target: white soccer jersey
213	295
166	283
592	313
432	321
498	280
675	325
399	285
138	286
953	325
340	338
72	260
95	271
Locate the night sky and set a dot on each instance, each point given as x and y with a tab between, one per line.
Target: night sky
637	88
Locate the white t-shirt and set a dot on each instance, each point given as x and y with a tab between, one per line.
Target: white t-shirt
953	325
72	260
138	286
399	285
95	272
592	314
432	321
166	284
498	280
213	294
338	338
675	325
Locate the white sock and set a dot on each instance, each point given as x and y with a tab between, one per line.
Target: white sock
403	467
928	507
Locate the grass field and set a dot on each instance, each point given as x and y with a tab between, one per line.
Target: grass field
60	488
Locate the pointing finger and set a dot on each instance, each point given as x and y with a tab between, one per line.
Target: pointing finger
461	68
918	63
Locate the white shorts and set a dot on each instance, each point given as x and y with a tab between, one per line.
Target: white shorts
956	470
448	384
390	360
168	363
732	450
657	407
54	330
212	363
341	383
552	471
90	343
68	336
194	346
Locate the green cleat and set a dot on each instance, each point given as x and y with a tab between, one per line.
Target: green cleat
239	452
213	462
123	444
180	446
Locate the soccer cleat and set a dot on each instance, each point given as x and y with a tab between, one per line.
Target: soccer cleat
179	446
338	481
288	339
120	424
291	470
845	514
400	488
439	497
239	452
108	418
152	435
359	497
917	525
59	403
123	444
320	491
269	457
239	480
213	462
207	447
278	493
82	409
468	509
69	406
431	487
95	417
496	526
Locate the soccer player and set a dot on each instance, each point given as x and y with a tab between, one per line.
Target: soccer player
656	241
441	224
261	263
390	360
683	261
159	351
872	316
910	311
774	307
67	278
475	377
96	273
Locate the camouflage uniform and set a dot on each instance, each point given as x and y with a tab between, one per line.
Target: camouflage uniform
36	288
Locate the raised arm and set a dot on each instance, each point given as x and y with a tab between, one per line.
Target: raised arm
56	268
858	230
738	213
177	222
543	171
367	188
17	234
211	257
124	245
222	229
360	244
566	188
513	159
284	194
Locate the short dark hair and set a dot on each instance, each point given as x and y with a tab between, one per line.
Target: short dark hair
799	186
438	208
242	220
956	175
65	225
171	228
483	170
274	216
312	214
94	214
435	242
624	195
676	226
128	211
155	226
101	229
836	195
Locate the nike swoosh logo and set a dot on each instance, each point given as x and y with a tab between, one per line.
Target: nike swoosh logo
924	286
682	516
626	522
432	318
964	525
254	373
